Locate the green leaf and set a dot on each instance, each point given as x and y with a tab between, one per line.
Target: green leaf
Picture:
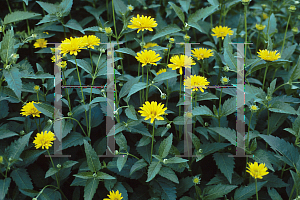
288	52
13	79
120	7
83	65
281	107
261	156
168	173
195	25
202	110
185	5
128	85
274	194
295	72
7	46
175	160
165	146
202	13
212	147
130	112
73	24
165	76
274	181
153	170
246	192
121	162
227	133
230	60
138	165
272	87
217	191
116	129
127	51
48	7
65	7
90	188
121	141
184	185
84	175
229	106
225	164
18	16
296	179
51	172
73	139
21	178
92	157
272	25
5	133
104	176
4	184
166	31
178	12
168	189
68	164
17	147
179	120
46	109
137	87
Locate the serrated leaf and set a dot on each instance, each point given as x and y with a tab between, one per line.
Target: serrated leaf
227	133
202	110
168	189
92	157
130	112
225	164
153	170
46	109
213	147
4	184
175	160
83	65
120	7
184	185
137	87
165	146
17	147
121	161
195	25
295	72
65	6
13	79
4	133
48	7
84	175
126	50
178	12
73	24
168	173
73	139
281	107
51	172
21	178
202	13
119	186
18	16
261	156
274	181
272	25
90	188
128	85
68	164
229	106
166	31
230	60
217	191
272	87
121	141
274	194
138	165
296	179
246	192
7	46
165	76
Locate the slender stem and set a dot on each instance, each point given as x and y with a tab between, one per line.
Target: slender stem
77	122
143	81
282	170
287	25
256	189
129	155
37	125
54	168
219	117
37	95
291	194
268	124
265	77
8	6
269	19
245	17
147	88
66	90
169	48
28	29
140	91
221	5
152	138
257	41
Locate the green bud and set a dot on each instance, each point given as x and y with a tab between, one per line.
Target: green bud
58	166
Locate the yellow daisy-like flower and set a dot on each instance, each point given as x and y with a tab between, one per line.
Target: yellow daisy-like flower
114	196
220	31
178	62
29	109
40	43
150	44
152	111
257	171
72	46
265	16
196	180
36	88
202	53
148	57
44	140
91	41
62	64
196	83
161	71
268	55
260	27
253	108
142	23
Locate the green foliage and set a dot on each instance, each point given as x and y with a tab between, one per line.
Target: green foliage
246	192
178	12
46	109
217	191
153	170
225	164
171	29
18	16
90	188
165	146
92	158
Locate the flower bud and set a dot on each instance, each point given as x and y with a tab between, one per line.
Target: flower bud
224	80
254	108
297	2
103	91
70	114
49	121
1	159
34	198
168	126
295	30
34	35
94	174
200	151
130	8
58	166
167	37
142	44
36	88
100	29
10	159
120	84
22	132
186	38
169	45
171	40
268	98
116	152
58	14
115	112
206	124
292	8
163	96
145	7
164	161
119	67
7	67
226	68
102	50
108	31
245	2
264	6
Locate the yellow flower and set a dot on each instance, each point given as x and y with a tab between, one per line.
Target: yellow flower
142	23
220	31
62	64
196	180
224	80
40	43
253	108
152	111
72	46
130	8
36	88
257	171
1	159
91	41
265	16
29	109
178	62
260	27
46	33
202	53
114	196
148	57
268	55
196	83
150	44
161	71
56	59
44	140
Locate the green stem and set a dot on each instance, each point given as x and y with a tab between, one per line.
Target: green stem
287	25
269	18
221	5
143	81
54	168
257	41
147	88
265	76
219	117
28	29
140	91
8	6
245	17
66	91
256	189
282	170
77	122
152	138
37	125
169	48
291	194
130	155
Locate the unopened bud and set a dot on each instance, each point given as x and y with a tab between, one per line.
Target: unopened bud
130	8
49	121
95	175
292	8
206	124
119	67
7	67
171	40
70	114
169	126
120	84
58	166
22	132
142	44
116	152
295	30
245	2
186	38
163	96
226	68
145	7
108	31
200	151
164	161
